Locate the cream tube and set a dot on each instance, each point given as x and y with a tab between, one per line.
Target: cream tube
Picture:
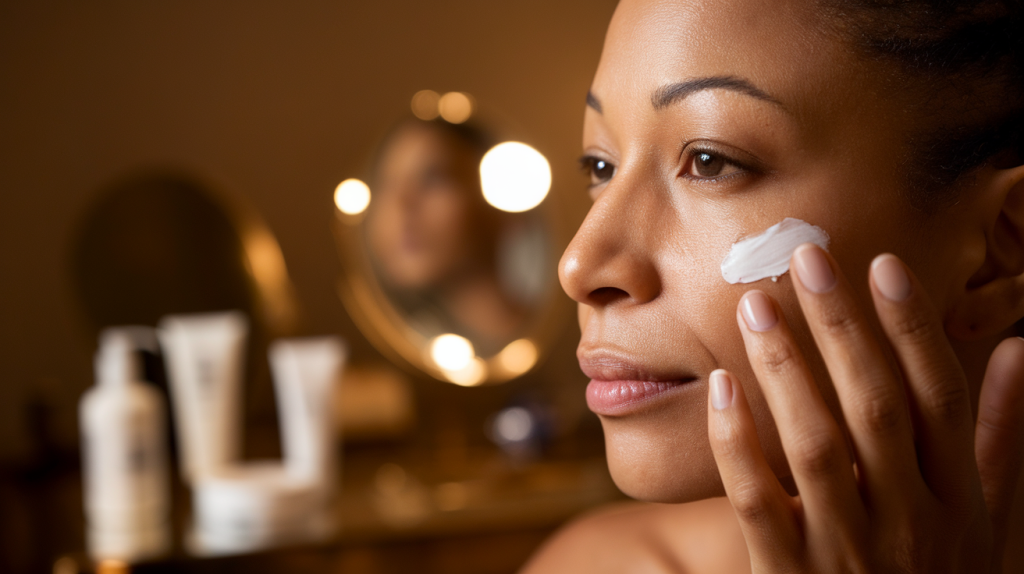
305	372
767	254
204	356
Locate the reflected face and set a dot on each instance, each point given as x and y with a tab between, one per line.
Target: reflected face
420	223
708	123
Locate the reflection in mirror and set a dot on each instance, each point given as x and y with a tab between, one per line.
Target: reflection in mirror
448	262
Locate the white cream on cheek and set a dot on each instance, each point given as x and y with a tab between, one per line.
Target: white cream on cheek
767	254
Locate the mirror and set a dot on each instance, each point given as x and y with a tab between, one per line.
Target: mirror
159	242
448	250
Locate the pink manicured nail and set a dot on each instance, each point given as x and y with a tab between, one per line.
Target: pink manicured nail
721	389
758	311
813	269
890	277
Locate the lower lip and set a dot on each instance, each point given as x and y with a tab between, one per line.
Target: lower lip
616	398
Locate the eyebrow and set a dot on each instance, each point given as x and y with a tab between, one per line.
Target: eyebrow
672	93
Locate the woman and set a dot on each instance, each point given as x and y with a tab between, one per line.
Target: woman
895	128
434	240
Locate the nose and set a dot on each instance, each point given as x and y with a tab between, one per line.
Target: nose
611	260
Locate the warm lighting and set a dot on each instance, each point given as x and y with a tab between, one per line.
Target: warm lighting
514	177
352	196
512	425
455	107
451	352
518	356
471	375
451	496
425	104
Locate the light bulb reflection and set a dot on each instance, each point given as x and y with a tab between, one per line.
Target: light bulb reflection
455	107
518	356
425	104
451	352
471	375
352	196
514	177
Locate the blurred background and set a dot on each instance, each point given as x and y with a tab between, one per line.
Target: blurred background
222	130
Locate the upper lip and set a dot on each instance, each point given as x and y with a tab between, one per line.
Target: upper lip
603	364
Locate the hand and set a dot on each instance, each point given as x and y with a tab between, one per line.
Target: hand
914	484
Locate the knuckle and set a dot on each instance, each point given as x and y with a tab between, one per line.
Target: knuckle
777	357
752	505
882	413
817	454
838	323
914	327
728	442
949	403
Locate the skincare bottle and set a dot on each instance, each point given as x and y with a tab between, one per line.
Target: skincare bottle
205	356
124	458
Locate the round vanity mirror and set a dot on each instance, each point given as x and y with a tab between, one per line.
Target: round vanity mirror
448	248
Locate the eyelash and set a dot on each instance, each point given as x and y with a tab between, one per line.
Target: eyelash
698	150
590	164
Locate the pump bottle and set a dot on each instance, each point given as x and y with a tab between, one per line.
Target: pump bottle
124	458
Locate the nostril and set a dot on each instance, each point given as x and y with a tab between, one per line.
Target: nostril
606	295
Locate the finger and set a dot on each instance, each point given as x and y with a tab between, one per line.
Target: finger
812	440
869	390
766	513
999	438
940	400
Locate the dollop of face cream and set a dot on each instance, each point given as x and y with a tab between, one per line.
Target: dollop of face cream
768	254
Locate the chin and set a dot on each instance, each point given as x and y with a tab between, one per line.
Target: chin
665	456
657	466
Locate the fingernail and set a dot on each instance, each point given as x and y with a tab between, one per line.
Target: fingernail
758	311
721	389
813	269
890	277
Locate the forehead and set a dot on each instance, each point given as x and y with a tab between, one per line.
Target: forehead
780	46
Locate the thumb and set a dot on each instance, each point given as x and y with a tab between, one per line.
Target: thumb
999	435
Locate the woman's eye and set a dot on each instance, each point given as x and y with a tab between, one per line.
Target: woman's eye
707	165
598	169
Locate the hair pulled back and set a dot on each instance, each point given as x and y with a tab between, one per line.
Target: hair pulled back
963	63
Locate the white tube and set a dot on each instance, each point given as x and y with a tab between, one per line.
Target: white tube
767	254
204	357
305	372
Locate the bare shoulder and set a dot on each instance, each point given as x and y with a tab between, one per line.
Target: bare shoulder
638	537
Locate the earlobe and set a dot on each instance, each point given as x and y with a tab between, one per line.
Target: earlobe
993	299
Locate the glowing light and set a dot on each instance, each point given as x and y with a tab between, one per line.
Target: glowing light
515	177
424	104
518	356
455	107
352	196
513	424
451	352
451	496
471	375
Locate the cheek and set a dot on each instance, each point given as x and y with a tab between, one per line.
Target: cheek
446	215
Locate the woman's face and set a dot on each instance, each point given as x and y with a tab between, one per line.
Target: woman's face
710	122
420	227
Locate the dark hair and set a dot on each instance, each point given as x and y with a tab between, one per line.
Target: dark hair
963	60
470	134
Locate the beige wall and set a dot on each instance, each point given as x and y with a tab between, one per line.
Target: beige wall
274	101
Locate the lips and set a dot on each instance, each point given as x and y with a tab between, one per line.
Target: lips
620	386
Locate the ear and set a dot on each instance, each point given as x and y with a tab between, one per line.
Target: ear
993	299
